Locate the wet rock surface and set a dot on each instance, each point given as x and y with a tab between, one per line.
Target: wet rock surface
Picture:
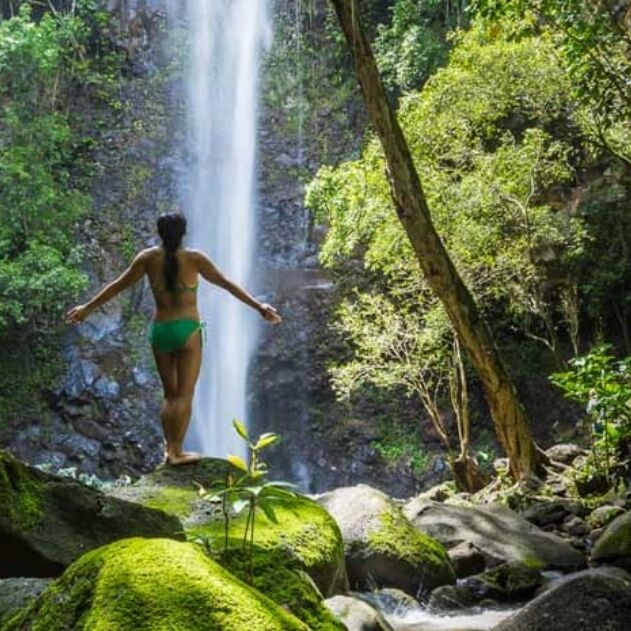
356	614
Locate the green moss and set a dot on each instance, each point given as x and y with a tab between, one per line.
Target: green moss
397	537
151	585
20	493
305	545
303	548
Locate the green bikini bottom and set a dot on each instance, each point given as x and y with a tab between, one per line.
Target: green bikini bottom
171	335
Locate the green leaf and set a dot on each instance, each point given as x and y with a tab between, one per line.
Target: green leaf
240	428
237	462
265	440
268	511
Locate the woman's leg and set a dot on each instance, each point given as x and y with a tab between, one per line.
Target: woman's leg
168	375
187	362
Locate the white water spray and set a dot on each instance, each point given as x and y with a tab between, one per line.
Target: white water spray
227	40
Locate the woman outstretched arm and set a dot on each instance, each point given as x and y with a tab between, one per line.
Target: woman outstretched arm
214	275
128	278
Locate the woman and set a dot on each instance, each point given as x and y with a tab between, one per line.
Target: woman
176	339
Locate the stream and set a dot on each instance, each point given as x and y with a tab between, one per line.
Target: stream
474	619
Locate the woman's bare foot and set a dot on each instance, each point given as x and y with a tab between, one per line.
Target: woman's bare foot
185	457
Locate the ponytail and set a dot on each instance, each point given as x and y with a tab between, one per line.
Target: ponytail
171	228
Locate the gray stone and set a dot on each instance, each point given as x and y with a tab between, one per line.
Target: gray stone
390	601
381	546
16	593
545	513
501	534
107	388
603	515
509	582
565	453
592	600
356	614
614	545
47	522
467	559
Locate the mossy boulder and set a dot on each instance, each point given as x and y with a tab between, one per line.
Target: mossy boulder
498	532
296	562
47	522
151	585
614	545
382	548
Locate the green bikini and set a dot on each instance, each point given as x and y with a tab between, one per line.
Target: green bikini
169	336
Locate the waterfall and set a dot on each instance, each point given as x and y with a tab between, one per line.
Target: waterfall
227	41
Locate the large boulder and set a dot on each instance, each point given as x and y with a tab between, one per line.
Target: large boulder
47	522
499	533
151	584
356	614
382	547
16	593
592	600
614	545
296	561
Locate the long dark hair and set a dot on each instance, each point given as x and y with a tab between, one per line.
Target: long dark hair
171	228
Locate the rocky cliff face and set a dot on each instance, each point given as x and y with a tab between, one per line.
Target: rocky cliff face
104	415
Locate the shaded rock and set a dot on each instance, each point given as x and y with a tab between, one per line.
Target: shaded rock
565	453
47	522
575	526
509	582
16	593
467	559
381	546
603	515
614	545
592	600
545	513
501	534
295	561
151	584
356	614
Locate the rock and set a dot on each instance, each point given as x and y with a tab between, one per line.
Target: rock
295	561
565	453
47	522
592	600
356	614
575	526
382	548
554	512
467	559
16	593
501	534
614	545
509	582
151	584
603	515
390	601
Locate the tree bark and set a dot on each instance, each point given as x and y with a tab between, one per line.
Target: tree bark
509	417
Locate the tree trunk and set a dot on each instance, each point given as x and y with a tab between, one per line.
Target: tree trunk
509	416
467	473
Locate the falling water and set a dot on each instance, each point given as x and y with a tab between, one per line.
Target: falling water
227	40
